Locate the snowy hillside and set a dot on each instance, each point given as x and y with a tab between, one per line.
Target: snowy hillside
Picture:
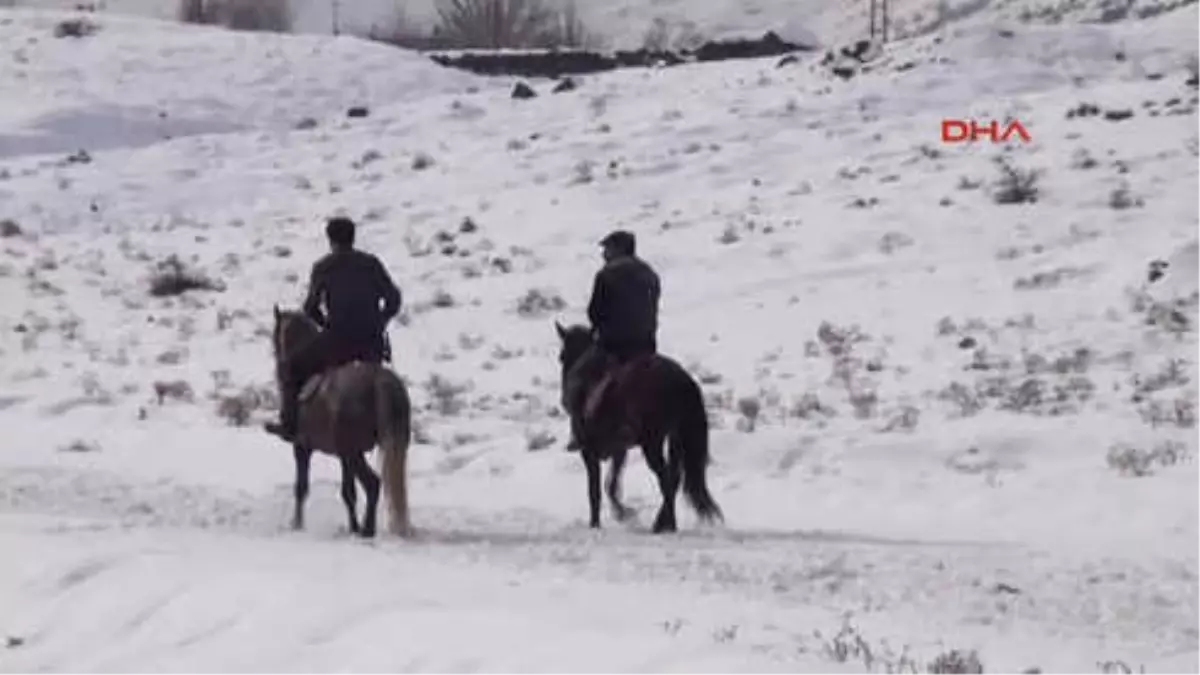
1003	461
625	23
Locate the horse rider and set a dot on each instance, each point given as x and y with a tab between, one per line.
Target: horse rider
623	311
359	299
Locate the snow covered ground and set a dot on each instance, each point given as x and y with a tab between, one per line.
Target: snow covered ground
1005	461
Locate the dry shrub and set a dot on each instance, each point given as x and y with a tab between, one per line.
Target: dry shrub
251	15
509	24
173	277
1015	185
1131	461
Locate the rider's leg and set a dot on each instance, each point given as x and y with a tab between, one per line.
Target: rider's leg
294	372
580	380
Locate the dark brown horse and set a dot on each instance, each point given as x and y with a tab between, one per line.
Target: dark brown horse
346	412
659	402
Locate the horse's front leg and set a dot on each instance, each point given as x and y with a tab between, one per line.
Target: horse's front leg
591	462
349	494
303	457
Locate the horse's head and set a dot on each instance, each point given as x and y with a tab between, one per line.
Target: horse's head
292	331
575	341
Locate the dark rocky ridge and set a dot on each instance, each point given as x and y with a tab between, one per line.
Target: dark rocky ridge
555	63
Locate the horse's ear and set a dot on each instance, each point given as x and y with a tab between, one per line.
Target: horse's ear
562	332
276	310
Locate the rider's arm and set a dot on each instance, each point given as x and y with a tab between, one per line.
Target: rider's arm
598	306
392	299
316	294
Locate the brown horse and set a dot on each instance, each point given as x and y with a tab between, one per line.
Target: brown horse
346	412
658	402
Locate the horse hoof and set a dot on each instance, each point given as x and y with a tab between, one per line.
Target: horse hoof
367	534
661	527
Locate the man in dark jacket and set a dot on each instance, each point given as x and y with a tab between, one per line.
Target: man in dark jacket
624	314
359	298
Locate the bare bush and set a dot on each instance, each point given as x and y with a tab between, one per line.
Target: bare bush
249	15
849	646
1118	668
1173	373
537	303
173	277
175	390
567	29
1122	198
750	408
447	396
1015	185
809	406
964	399
847	368
508	24
661	36
1131	461
905	419
238	409
75	28
195	11
1180	412
956	661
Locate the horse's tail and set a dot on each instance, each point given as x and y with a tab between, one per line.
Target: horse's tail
394	422
690	438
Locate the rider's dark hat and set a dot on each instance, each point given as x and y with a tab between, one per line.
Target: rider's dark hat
622	240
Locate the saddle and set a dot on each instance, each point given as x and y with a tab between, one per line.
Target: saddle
613	378
313	384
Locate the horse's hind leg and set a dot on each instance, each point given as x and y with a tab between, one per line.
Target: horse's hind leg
668	483
300	490
621	512
349	494
370	481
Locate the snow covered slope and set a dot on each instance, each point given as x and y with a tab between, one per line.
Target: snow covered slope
1004	461
624	23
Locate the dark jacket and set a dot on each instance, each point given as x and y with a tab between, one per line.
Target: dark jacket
624	304
351	284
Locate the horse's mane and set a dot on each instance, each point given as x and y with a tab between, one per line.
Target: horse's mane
291	317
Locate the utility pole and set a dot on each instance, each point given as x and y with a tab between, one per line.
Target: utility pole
871	28
335	9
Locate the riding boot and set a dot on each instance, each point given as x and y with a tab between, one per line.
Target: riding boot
286	427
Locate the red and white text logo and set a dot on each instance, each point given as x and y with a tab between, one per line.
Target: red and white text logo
973	130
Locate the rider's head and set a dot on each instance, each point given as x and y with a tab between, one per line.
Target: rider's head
340	231
619	244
